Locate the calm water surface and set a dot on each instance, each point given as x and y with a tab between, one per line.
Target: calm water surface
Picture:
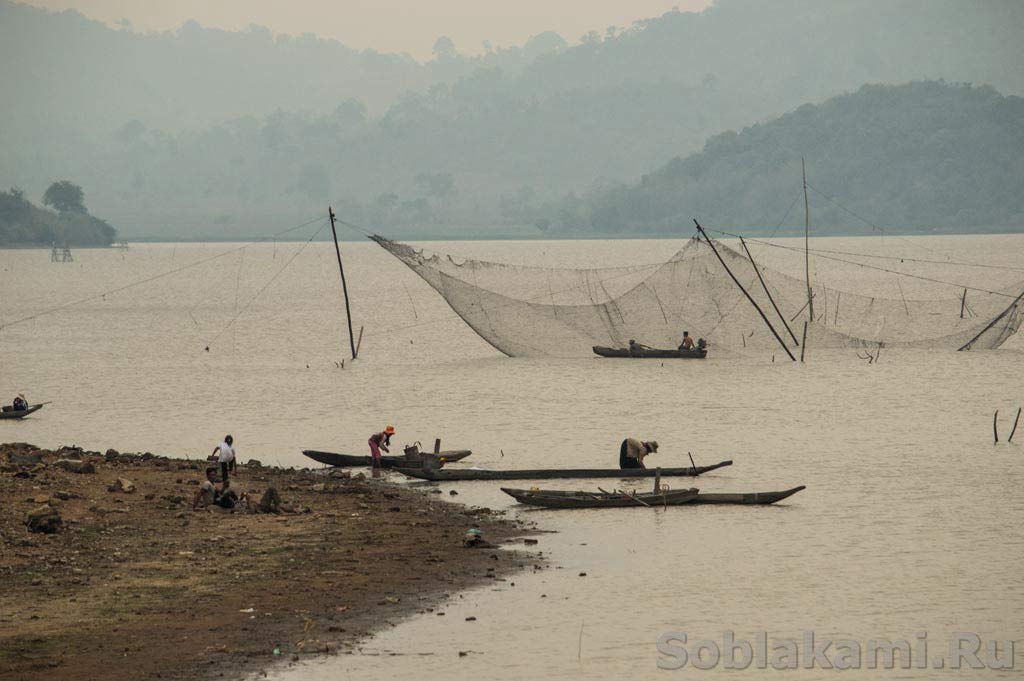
911	521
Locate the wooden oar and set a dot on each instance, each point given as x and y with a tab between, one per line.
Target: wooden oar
692	464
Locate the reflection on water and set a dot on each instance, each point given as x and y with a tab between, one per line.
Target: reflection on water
910	522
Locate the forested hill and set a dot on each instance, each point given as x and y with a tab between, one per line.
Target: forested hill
925	157
206	133
22	223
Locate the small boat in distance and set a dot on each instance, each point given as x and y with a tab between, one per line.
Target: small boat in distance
10	412
550	498
445	475
343	460
650	353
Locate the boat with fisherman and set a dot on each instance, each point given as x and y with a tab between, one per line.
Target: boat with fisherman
9	412
463	474
351	460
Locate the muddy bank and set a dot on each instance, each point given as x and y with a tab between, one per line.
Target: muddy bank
133	583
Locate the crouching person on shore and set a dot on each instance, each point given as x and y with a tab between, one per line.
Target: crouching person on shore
225	497
207	492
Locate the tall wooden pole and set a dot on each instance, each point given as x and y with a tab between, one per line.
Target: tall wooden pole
344	286
766	292
807	241
740	287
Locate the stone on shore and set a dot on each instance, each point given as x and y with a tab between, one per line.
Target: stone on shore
121	485
75	466
44	519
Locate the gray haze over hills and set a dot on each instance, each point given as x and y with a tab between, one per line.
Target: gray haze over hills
207	133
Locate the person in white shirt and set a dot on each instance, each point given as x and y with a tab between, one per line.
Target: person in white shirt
225	452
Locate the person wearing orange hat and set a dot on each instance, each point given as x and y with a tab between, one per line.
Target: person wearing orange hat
379	441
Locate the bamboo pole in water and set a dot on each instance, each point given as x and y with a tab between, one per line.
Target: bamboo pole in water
1012	432
344	286
807	240
803	345
766	292
736	281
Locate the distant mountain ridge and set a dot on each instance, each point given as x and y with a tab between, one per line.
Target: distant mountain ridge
214	133
922	157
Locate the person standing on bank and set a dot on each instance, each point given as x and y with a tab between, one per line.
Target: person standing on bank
633	451
379	441
225	452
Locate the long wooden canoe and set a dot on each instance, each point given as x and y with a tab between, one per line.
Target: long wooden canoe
748	498
552	473
618	499
650	353
341	460
552	498
19	413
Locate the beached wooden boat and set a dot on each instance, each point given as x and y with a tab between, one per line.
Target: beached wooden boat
445	475
11	413
550	498
650	353
341	460
617	499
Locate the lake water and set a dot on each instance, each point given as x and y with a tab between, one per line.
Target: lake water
911	521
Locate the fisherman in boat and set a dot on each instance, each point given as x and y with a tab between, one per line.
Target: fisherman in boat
379	441
20	403
687	343
635	348
633	451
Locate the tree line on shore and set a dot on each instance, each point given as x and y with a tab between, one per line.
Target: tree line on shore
22	223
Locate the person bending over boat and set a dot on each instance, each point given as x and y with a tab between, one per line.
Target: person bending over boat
20	403
379	441
633	451
687	343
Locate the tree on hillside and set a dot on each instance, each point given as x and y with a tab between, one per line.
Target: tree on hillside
444	48
65	197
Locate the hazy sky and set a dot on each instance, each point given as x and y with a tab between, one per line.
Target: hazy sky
388	25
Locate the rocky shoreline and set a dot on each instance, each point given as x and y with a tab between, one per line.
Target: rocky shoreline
107	572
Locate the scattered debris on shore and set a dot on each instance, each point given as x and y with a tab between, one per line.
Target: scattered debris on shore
107	572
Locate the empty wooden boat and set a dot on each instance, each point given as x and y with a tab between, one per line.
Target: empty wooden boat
445	475
616	499
748	498
343	460
550	498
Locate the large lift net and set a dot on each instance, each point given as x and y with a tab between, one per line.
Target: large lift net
534	311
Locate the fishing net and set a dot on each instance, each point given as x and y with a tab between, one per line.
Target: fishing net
535	311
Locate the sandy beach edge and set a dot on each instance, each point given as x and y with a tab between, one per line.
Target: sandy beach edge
132	581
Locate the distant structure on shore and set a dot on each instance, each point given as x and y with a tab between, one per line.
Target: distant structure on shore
60	254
